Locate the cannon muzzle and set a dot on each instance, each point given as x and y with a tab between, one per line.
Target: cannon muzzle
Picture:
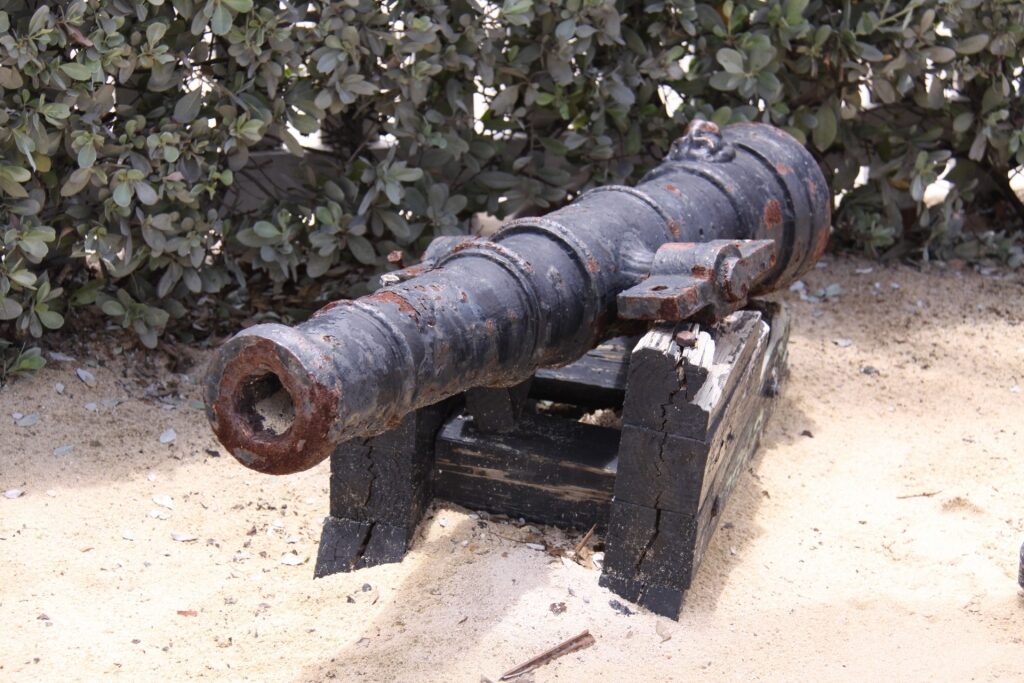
728	214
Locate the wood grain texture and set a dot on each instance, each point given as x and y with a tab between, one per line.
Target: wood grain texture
550	469
597	380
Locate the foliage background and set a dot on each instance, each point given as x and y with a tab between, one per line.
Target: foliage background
132	133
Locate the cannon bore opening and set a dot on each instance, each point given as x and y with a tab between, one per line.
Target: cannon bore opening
266	405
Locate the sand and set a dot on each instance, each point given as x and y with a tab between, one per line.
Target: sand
875	535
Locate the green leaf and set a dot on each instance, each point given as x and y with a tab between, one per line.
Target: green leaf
870	52
123	195
731	60
266	230
962	123
79	72
145	192
724	81
155	31
51	320
113	307
76	182
505	99
973	45
825	131
220	22
12	188
940	55
87	157
513	7
239	5
794	10
55	110
187	108
25	278
407	175
362	249
9	309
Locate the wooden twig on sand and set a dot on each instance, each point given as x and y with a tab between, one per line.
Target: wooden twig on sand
583	541
576	643
925	494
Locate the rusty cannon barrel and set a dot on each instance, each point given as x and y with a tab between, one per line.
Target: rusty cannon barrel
726	215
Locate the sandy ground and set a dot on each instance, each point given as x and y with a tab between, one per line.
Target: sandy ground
875	535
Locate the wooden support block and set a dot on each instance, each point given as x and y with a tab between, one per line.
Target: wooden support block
379	489
650	545
663	600
496	409
684	446
549	469
386	478
597	380
681	390
659	470
347	544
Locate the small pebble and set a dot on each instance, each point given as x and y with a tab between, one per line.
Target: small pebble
291	559
183	537
168	436
842	343
61	451
620	608
27	420
59	387
87	377
535	546
61	357
127	535
13	493
91	407
164	501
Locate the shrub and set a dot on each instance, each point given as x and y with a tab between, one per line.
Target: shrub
130	130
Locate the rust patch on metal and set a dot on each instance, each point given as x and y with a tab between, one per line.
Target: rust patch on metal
592	265
821	244
330	306
393	298
673	189
668	309
678	245
782	169
772	216
232	410
673	227
464	244
702	272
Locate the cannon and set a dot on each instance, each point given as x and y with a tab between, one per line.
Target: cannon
728	215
